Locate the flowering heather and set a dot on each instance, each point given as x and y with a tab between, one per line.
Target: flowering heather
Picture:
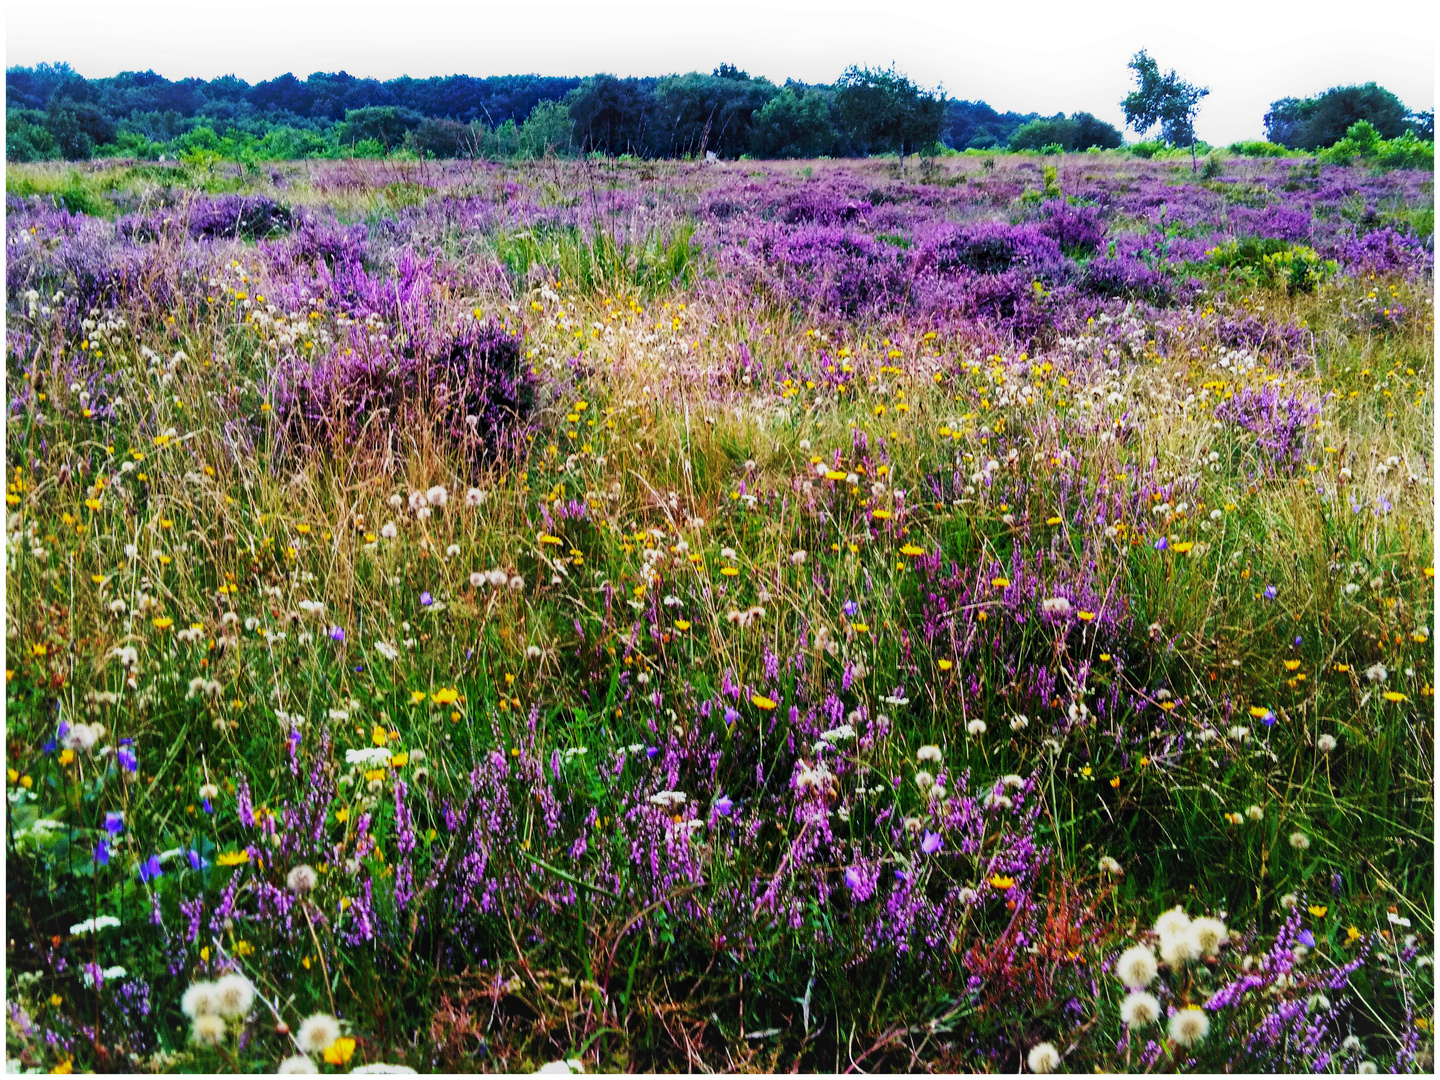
759	616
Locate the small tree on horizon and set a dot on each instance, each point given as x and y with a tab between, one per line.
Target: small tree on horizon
1167	100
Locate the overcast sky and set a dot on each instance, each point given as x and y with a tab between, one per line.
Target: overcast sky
1025	56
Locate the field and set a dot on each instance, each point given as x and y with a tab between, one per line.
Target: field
747	616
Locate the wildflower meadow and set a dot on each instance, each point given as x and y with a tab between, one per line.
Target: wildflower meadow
612	615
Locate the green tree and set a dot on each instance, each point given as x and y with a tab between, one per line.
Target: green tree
883	110
547	130
1321	121
791	125
385	124
1166	100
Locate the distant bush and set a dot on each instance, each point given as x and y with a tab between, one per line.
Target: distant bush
1080	132
1259	148
440	139
1363	141
1147	149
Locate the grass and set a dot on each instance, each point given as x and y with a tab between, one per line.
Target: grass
524	715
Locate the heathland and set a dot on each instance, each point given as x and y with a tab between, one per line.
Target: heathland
750	616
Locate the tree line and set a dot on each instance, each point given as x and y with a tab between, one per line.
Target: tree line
53	112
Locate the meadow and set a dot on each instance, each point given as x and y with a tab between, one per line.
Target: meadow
613	615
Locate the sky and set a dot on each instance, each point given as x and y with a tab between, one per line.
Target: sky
1032	56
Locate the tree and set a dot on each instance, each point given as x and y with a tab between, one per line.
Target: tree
79	127
612	115
1321	121
695	113
385	124
791	125
547	130
884	110
1079	132
1166	100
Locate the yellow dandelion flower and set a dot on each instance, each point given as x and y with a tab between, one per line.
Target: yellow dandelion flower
1391	695
1000	881
1085	616
447	695
946	665
1318	910
1000	582
164	623
378	735
760	701
912	550
232	858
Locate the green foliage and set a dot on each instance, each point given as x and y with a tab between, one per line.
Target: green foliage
442	139
77	193
1080	132
1314	123
1274	263
386	125
793	125
1362	141
599	262
26	137
547	131
1259	148
883	110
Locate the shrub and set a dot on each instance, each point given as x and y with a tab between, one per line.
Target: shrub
1125	277
993	248
1259	148
1077	229
476	390
1274	263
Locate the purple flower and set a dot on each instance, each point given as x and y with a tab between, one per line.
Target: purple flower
115	822
853	880
1306	938
851	608
337	634
102	853
426	599
206	806
127	759
1162	544
931	843
731	715
196	862
723	805
1271	592
1299	641
651	751
150	869
1268	719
